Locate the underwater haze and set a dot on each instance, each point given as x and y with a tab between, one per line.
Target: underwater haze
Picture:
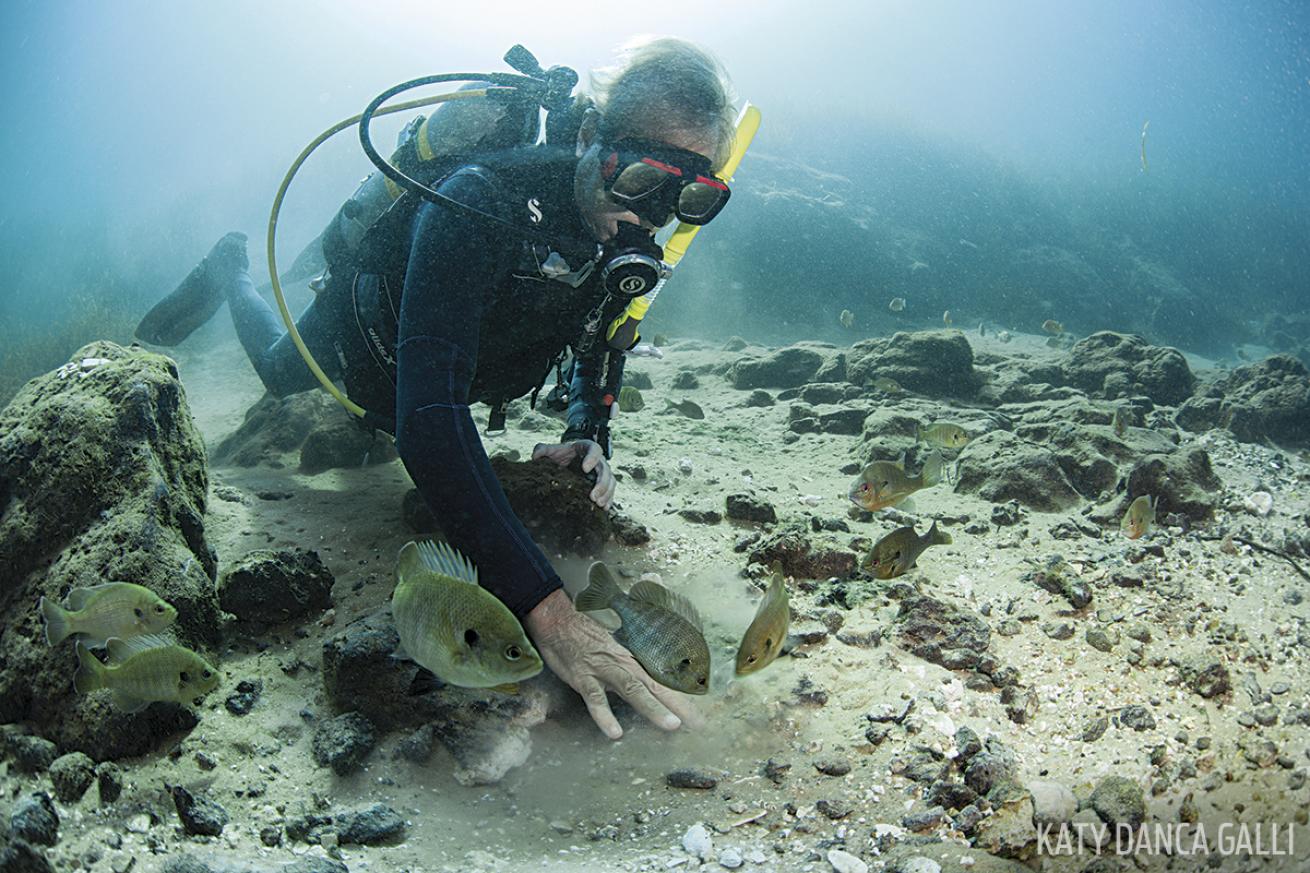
997	144
959	497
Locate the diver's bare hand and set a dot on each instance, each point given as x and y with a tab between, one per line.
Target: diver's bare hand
590	661
592	459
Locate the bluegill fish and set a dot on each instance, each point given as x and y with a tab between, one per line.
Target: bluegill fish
114	609
1139	518
685	407
886	385
896	553
661	629
885	483
847	319
1119	421
630	399
145	670
944	434
768	630
1053	327
897	304
452	626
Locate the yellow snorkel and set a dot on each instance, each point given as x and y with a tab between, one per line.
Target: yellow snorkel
622	332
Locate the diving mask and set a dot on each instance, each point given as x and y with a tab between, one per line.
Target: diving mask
656	182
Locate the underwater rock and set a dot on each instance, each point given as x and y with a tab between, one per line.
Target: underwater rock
31	754
200	816
1183	481
886	432
268	586
20	856
554	503
486	731
109	782
788	367
1118	800
102	477
376	824
637	379
1000	467
800	557
343	742
1268	400
71	775
748	507
941	633
1115	365
341	440
273	427
1053	803
1205	674
690	777
935	363
759	398
843	421
33	818
1009	832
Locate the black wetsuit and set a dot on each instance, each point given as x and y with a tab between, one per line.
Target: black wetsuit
484	315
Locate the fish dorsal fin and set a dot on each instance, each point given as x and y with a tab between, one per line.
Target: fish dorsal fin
442	558
776	592
657	595
120	649
408	563
600	592
899	463
78	597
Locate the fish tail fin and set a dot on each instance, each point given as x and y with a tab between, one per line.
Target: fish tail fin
90	672
57	624
938	537
932	469
600	592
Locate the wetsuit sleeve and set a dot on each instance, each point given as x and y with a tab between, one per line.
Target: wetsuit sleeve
453	266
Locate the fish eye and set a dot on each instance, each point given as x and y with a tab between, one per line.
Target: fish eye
751	660
470	638
159	608
685	662
864	487
700	681
185	676
207	674
139	614
513	653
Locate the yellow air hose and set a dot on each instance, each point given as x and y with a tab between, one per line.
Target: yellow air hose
323	137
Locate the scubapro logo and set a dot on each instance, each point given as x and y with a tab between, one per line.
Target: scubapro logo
632	285
534	209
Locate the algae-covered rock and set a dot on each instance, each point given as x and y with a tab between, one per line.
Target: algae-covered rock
1183	481
312	423
1115	365
941	633
102	478
787	367
1000	467
1268	400
936	363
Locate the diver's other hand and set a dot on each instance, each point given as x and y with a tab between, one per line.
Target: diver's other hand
590	661
592	459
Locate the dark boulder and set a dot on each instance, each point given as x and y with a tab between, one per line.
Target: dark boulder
1114	365
941	633
788	367
802	557
268	586
343	742
935	363
1268	400
1000	467
555	504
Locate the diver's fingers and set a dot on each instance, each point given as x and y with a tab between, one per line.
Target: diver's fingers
603	493
540	450
593	457
593	694
632	689
679	704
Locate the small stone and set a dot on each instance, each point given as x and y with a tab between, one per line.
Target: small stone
376	824
1138	631
205	761
697	842
200	815
248	691
33	818
561	827
967	743
20	856
776	770
175	864
844	862
72	775
1118	800
919	864
1095	729
924	819
138	824
271	836
1137	717
876	733
758	398
1101	638
109	781
1053	803
730	859
1058	630
690	777
833	809
748	507
1205	674
1266	715
833	767
417	747
343	742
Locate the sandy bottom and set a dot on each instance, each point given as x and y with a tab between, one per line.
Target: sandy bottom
585	804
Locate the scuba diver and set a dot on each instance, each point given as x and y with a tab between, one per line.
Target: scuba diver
425	308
